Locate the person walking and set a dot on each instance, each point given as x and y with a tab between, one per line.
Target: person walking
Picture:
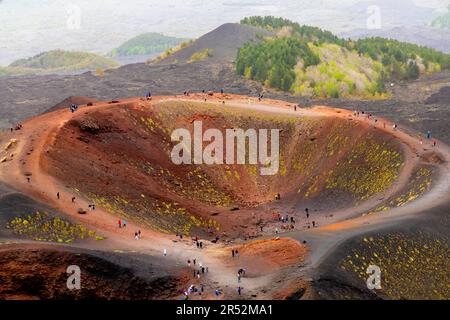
57	195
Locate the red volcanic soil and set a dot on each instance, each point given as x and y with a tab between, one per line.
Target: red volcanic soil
276	260
118	156
266	256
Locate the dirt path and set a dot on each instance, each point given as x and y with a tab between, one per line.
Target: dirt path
326	238
39	132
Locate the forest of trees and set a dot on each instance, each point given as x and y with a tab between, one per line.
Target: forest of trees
272	60
399	58
312	34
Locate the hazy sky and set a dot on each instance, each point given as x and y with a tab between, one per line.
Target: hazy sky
28	27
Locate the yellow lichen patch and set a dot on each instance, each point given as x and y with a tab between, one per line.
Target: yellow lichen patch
370	168
338	139
41	226
412	267
158	215
172	218
196	184
417	186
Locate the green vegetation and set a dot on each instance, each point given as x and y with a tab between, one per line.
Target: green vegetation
272	61
58	61
402	60
201	55
145	44
442	22
171	51
308	33
312	62
340	73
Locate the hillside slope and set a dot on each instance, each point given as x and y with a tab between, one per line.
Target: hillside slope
145	44
223	42
309	61
422	36
59	61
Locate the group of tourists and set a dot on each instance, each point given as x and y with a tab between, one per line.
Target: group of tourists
192	290
122	223
369	116
73	108
137	235
18	126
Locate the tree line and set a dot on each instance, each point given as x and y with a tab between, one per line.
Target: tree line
272	60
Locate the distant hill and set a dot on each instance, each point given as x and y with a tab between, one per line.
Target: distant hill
309	61
219	45
59	62
442	22
438	39
146	44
